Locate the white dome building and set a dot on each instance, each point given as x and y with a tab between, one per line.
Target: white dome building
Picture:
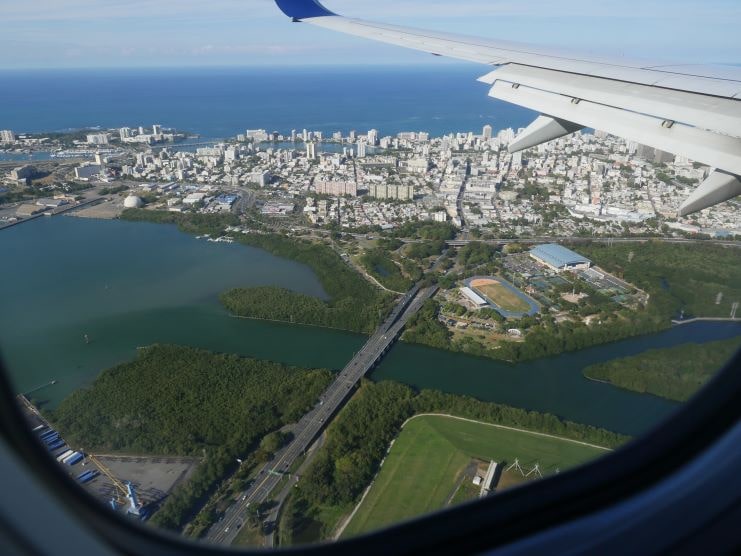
132	201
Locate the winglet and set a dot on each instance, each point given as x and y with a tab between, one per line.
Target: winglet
302	9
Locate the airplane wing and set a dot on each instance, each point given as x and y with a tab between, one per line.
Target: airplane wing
689	110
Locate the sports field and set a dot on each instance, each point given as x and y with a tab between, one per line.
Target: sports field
423	467
501	295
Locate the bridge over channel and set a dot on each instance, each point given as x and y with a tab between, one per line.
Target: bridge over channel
313	422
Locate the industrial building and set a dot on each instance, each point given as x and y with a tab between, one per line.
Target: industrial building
88	171
559	258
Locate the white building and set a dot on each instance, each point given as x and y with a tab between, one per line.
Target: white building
7	136
311	151
97	138
256	134
473	297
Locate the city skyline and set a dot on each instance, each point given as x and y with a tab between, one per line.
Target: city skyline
89	33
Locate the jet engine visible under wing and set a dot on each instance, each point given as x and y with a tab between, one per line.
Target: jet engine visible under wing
689	110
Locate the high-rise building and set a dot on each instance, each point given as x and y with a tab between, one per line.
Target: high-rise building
336	188
361	149
97	138
373	137
257	135
311	151
391	191
156	129
305	135
486	132
506	136
7	136
662	157
293	135
124	133
353	135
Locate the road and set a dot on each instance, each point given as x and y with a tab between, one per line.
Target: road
580	239
313	422
528	240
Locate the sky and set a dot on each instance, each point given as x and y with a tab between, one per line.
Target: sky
176	33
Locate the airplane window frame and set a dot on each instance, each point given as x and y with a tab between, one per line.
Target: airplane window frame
483	524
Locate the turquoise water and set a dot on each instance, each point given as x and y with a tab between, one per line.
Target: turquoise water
132	284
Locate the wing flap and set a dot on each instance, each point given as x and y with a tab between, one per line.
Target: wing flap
717	150
707	112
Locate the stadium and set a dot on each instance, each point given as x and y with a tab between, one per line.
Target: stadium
501	296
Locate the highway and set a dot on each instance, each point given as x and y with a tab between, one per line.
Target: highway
580	239
312	423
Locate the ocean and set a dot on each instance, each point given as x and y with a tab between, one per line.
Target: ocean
221	102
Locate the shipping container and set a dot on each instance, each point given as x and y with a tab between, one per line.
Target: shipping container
59	451
65	454
52	439
85	474
89	477
58	444
73	453
47	434
38	428
73	459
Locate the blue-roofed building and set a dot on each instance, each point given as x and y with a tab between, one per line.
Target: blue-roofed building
559	258
227	200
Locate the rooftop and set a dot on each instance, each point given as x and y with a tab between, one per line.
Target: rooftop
558	255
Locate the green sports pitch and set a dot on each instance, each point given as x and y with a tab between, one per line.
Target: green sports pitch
425	463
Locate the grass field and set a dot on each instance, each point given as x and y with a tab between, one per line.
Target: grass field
425	463
501	295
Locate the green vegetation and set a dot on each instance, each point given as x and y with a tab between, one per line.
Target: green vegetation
424	249
551	339
184	401
675	373
417	477
358	438
424	328
353	305
189	222
426	462
383	268
114	190
677	276
476	253
425	230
